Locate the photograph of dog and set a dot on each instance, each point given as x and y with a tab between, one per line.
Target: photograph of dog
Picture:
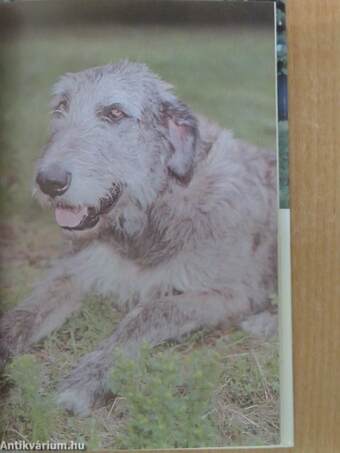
165	213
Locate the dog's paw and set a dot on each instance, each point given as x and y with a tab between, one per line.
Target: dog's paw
77	393
75	399
84	386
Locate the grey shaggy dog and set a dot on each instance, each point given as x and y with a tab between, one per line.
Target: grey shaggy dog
168	214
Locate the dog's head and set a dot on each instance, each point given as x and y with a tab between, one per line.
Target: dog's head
118	132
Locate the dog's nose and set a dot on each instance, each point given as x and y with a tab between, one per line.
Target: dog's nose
54	180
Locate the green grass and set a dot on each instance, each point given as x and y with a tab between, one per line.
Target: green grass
169	398
228	377
28	401
224	74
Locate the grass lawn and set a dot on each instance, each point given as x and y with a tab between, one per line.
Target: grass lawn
226	75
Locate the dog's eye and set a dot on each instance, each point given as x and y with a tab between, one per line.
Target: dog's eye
111	113
61	108
115	114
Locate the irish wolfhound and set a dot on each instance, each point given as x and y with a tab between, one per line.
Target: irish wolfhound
168	213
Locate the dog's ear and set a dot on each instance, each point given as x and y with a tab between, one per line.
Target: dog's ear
182	135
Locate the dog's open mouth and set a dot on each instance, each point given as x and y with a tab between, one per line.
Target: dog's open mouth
85	217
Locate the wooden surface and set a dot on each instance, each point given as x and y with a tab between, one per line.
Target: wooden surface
314	71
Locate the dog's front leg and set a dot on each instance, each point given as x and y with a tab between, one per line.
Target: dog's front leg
51	302
157	322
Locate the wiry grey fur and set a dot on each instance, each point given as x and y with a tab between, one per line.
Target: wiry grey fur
190	243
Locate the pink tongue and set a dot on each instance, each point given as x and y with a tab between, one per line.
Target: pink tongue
70	217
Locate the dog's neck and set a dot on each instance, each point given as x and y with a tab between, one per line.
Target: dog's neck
142	234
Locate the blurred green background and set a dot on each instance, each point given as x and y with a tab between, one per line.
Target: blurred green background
225	73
